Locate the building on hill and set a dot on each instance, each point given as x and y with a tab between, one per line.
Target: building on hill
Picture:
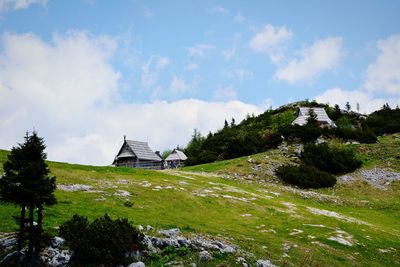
137	154
176	159
322	117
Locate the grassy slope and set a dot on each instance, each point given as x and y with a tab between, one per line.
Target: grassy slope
195	203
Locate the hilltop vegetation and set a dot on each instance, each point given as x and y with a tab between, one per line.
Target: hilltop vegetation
256	134
243	203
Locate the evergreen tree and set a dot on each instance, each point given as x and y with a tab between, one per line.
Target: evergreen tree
386	107
337	113
312	118
26	183
347	106
226	125
233	122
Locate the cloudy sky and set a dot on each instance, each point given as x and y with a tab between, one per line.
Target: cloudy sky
84	73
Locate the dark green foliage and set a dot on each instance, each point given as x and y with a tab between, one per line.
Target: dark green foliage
256	134
306	133
347	106
330	159
384	121
26	183
271	139
367	136
194	148
305	176
104	241
128	203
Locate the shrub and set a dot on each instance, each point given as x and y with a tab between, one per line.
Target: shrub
305	176
367	136
306	133
271	138
330	159
104	241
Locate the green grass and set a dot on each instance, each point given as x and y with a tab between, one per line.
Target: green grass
195	202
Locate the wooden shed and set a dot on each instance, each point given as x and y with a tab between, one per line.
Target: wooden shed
176	159
136	154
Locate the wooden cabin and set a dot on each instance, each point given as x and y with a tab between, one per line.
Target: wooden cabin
176	159
136	154
322	117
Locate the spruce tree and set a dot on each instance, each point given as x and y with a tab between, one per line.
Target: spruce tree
27	184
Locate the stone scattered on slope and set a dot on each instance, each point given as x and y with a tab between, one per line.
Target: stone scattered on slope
122	193
57	241
170	232
380	178
205	255
7	241
342	237
137	264
264	263
55	257
335	215
242	261
74	187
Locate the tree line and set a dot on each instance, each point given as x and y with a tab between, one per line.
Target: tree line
256	134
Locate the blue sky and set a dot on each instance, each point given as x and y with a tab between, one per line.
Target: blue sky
71	68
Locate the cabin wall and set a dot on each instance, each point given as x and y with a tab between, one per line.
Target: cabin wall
139	163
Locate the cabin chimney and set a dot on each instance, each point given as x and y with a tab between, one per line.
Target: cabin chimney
124	138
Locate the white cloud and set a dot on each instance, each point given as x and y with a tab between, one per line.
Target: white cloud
225	94
191	66
6	5
321	56
384	74
368	103
240	74
151	70
228	54
66	89
270	38
179	86
219	10
200	50
239	18
148	13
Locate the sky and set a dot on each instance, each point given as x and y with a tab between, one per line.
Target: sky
84	73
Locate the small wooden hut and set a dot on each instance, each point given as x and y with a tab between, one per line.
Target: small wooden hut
176	159
136	154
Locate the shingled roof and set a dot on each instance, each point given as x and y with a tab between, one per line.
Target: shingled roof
176	155
139	149
321	116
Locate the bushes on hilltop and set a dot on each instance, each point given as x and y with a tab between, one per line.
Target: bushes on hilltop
384	121
330	159
319	162
103	241
305	176
258	133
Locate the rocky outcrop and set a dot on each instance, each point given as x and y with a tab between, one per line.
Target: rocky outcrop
173	238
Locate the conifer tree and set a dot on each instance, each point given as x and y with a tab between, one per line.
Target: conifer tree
26	183
312	118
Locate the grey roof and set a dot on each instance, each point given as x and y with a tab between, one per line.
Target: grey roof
321	116
176	155
141	150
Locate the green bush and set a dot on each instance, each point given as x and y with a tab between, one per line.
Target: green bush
330	159
305	176
306	133
271	138
104	241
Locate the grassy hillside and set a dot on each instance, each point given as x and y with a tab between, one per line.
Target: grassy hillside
352	224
